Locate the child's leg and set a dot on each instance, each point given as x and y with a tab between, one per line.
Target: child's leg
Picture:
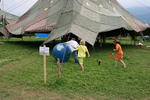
124	64
81	63
75	54
116	62
59	68
82	67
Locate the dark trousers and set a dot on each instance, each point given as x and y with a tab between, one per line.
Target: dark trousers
75	55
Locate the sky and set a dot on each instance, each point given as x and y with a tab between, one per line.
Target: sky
134	3
18	7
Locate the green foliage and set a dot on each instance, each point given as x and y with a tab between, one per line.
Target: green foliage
21	65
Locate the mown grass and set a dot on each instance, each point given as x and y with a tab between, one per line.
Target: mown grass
22	66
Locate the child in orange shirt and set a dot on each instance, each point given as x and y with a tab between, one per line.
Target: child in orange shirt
119	53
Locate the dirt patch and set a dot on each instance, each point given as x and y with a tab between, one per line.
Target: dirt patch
15	64
10	65
19	93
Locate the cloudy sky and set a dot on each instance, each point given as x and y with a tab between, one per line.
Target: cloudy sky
18	7
134	3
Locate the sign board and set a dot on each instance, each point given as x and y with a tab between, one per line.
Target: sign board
44	51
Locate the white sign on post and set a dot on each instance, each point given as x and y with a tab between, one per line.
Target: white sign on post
44	51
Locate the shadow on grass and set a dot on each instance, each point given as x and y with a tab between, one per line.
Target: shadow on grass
34	44
108	46
30	44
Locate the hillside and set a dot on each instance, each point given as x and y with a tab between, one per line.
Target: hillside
142	13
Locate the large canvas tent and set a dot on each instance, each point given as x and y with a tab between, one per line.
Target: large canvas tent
84	18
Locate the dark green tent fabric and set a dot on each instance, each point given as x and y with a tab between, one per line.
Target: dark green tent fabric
2	24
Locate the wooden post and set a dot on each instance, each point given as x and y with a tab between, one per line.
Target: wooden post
44	68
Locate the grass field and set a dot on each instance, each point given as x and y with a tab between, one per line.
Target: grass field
21	74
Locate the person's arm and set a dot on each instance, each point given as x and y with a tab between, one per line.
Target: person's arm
74	47
116	48
77	48
88	54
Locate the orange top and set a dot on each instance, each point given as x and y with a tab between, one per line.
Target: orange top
119	49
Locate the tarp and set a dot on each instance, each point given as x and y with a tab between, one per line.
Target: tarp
41	35
83	18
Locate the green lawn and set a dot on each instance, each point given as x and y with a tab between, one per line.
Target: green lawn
21	74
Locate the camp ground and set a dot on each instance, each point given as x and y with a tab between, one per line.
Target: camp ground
28	68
